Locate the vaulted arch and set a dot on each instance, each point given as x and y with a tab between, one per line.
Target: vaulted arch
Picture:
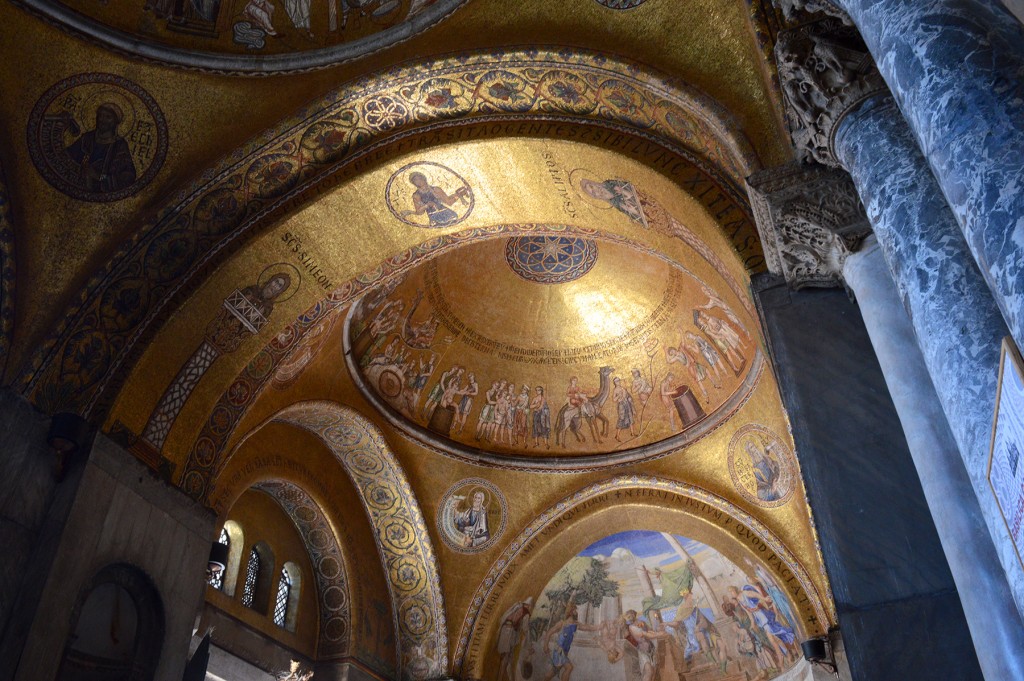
621	504
515	92
325	555
341	579
400	532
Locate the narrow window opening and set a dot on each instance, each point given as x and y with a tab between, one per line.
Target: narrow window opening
251	573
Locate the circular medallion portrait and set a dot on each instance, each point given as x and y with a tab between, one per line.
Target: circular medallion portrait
426	194
97	137
471	516
762	467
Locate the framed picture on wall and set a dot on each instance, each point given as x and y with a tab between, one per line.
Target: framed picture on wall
1006	456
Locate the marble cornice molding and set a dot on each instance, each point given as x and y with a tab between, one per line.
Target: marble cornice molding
826	71
810	219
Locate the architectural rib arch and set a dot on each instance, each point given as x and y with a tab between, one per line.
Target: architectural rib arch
400	531
334	599
567	517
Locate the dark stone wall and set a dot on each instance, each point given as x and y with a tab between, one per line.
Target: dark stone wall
899	611
57	535
26	497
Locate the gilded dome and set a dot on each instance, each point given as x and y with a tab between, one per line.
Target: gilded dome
553	344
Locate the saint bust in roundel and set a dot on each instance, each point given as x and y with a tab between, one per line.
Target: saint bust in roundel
472	515
471	519
762	467
97	137
101	155
427	194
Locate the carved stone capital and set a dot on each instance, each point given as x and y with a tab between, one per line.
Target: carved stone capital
810	219
826	71
797	10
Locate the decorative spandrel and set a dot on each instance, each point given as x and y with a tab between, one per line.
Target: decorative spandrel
97	137
538	348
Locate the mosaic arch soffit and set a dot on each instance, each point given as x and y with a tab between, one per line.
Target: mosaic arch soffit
473	625
80	366
400	531
324	550
7	273
71	21
206	457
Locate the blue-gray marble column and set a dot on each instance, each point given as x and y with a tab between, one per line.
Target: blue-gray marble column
956	68
957	324
947	488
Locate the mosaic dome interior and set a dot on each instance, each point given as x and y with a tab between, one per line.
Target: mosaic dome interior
540	346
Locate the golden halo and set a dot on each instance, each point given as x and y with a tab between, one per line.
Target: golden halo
577	174
281	268
472	493
86	112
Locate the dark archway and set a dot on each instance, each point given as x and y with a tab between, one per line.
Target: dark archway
117	628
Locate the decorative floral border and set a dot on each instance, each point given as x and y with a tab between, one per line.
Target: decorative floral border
336	628
399	530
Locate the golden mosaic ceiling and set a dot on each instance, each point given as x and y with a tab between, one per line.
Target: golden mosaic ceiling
309	305
711	47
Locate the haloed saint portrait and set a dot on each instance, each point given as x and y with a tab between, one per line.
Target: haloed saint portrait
97	137
762	467
427	194
472	515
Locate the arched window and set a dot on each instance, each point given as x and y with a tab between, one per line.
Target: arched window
284	591
289	589
252	573
236	546
259	587
218	580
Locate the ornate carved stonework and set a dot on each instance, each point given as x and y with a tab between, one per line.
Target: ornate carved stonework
795	10
810	219
826	71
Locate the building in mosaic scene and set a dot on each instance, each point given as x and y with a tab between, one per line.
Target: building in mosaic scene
468	340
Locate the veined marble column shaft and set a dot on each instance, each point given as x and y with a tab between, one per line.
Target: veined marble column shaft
957	324
988	604
956	68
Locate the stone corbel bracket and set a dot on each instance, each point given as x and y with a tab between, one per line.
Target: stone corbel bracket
810	219
826	71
